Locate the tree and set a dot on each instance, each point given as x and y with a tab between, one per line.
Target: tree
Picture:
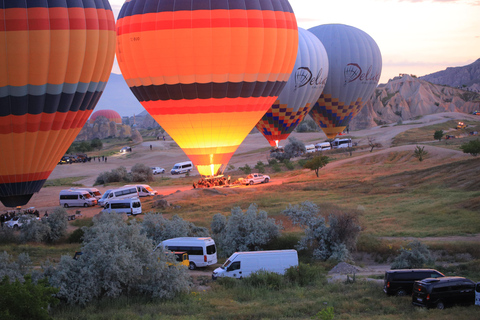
334	241
141	173
420	153
293	149
472	147
316	163
50	229
438	135
373	144
415	255
117	259
244	231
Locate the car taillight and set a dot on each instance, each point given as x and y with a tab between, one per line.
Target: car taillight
388	284
428	296
205	258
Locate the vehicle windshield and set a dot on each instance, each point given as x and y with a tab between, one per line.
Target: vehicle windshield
149	189
105	195
226	264
87	195
97	193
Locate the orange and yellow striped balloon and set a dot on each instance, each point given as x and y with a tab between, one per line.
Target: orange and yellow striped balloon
207	70
55	59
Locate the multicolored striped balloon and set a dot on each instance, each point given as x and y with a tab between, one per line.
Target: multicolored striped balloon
355	65
207	70
55	59
302	90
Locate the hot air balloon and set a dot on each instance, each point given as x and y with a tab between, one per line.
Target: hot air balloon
207	70
302	90
55	59
111	115
355	65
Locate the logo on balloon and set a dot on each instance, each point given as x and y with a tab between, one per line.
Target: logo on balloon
353	72
304	76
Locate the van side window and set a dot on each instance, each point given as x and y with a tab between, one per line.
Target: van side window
136	205
211	249
234	266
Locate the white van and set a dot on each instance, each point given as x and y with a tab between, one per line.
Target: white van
342	143
202	252
120	193
242	264
76	198
323	146
128	206
144	190
182	167
310	148
94	192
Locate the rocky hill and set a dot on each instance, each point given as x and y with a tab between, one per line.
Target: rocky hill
467	77
407	97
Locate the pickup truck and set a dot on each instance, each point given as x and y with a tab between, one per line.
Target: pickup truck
255	178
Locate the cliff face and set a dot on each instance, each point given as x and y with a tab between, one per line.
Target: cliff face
406	97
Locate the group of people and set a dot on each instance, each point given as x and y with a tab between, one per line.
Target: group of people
211	182
9	215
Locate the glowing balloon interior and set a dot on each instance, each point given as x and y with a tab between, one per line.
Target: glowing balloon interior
207	71
302	90
355	65
55	59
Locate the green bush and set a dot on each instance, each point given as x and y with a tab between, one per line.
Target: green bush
265	279
246	169
25	299
305	275
76	236
260	167
415	255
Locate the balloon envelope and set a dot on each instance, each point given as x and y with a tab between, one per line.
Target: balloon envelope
55	59
111	115
207	70
302	90
355	65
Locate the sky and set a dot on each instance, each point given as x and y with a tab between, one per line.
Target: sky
416	37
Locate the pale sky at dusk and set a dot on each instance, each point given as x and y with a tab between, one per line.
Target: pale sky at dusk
415	36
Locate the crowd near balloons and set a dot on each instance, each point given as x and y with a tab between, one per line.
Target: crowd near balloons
208	71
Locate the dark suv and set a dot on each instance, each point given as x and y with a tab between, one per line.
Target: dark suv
400	281
442	292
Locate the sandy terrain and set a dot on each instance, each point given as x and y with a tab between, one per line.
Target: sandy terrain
166	153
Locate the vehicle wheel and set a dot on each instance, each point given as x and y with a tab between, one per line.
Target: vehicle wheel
251	183
192	266
266	180
65	205
85	205
401	293
440	305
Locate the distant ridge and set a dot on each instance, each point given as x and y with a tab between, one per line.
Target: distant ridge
466	77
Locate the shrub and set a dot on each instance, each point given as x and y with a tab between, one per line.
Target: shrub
115	175
246	169
158	228
76	236
472	147
26	299
438	135
420	153
260	167
14	269
117	260
265	279
288	164
332	241
7	235
243	231
305	275
50	229
141	173
415	255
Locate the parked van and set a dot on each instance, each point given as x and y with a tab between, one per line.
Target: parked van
120	193
242	264
310	148
444	292
94	192
342	143
76	198
144	190
202	252
182	167
400	281
323	146
128	206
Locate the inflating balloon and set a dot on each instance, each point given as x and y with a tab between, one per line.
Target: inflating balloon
355	65
207	70
302	90
55	59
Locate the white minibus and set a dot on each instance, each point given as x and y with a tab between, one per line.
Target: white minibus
341	143
94	192
323	146
242	264
76	198
120	193
144	190
130	206
182	167
310	148
202	252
